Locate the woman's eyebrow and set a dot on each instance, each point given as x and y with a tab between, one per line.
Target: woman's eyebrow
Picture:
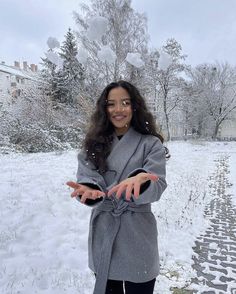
125	98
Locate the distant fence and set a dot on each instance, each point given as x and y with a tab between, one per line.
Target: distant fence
196	137
226	139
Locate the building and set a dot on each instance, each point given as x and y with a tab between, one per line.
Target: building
13	79
227	130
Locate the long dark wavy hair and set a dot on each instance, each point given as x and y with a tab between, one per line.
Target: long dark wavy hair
97	143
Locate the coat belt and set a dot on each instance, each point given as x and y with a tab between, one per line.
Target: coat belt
116	209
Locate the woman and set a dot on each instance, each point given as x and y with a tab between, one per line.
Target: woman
121	171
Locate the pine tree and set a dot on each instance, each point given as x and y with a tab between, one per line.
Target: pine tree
48	74
70	78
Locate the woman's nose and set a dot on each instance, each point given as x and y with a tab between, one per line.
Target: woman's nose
118	107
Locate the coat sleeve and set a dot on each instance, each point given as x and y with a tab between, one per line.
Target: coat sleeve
154	162
89	176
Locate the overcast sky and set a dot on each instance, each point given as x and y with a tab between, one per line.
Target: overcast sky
206	29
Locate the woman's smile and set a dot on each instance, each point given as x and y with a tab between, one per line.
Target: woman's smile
119	117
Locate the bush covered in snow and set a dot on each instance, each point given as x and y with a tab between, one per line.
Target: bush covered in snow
36	124
35	139
32	139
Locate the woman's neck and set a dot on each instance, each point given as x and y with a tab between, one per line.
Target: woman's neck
121	131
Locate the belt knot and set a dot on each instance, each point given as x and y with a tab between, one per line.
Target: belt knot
120	208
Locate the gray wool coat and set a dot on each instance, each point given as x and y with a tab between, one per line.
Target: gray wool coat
123	234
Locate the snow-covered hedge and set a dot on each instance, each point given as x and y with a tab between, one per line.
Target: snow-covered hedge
31	139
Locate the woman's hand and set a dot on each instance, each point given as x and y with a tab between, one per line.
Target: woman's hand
132	184
85	192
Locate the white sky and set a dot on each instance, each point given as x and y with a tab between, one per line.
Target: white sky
206	29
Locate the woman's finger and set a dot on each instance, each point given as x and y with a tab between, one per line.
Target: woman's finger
100	193
148	177
95	194
136	189
74	194
113	190
73	185
120	190
129	189
78	191
152	177
86	194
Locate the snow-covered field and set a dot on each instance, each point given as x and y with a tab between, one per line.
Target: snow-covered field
43	232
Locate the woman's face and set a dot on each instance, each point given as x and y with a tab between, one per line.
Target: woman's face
119	109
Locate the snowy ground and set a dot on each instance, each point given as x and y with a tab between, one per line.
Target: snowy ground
43	232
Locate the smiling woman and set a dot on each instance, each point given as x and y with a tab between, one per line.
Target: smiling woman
121	171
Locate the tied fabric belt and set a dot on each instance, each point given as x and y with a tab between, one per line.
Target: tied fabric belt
116	209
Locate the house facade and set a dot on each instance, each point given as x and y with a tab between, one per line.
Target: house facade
13	79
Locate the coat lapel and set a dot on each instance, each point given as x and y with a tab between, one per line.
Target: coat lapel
122	150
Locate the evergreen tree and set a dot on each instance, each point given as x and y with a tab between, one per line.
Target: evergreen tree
69	78
48	74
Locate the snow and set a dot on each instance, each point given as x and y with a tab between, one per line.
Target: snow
164	61
43	232
54	58
97	28
82	55
232	175
106	54
135	59
53	43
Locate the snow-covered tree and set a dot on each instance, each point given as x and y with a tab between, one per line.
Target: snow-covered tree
112	34
216	84
192	117
48	77
33	124
49	69
163	69
62	73
70	76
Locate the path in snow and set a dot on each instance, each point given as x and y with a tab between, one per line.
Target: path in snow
215	251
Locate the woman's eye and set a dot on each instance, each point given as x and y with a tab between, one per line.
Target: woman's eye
126	103
123	103
110	104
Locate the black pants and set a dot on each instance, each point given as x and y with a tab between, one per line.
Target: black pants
116	287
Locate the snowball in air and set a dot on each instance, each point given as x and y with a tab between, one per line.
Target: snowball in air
164	61
82	55
54	58
53	43
134	59
97	28
106	54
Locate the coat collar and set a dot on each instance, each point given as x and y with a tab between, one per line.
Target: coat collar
122	150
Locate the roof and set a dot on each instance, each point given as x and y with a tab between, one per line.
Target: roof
18	72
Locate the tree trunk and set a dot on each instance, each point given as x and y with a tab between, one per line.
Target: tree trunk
116	77
166	115
216	131
167	127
